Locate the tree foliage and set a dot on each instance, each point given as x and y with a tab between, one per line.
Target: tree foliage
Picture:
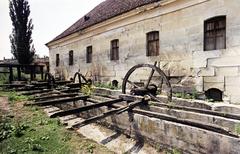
22	46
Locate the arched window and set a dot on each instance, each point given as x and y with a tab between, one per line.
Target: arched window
114	52
215	33
71	57
153	43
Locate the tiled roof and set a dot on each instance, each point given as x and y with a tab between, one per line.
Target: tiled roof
104	11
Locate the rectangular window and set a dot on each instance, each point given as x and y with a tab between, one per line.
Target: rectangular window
114	52
57	60
153	43
215	33
89	54
71	57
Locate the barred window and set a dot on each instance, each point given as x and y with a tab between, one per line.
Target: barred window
153	43
71	57
57	60
89	54
215	33
114	52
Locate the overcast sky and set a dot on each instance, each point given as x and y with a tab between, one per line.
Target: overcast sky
50	18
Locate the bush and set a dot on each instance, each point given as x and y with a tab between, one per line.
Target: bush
6	130
87	89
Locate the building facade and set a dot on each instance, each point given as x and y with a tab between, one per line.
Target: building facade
197	42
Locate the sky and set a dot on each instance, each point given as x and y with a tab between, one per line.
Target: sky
50	18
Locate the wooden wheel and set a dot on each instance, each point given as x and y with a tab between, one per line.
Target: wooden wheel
81	79
50	79
148	88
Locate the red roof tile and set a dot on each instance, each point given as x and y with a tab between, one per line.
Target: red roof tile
104	11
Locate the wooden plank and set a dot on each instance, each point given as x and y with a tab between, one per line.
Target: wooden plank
36	92
59	101
107	114
209	127
191	123
54	96
71	90
4	72
85	108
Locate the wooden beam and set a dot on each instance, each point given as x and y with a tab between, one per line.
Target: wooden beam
107	114
11	74
191	123
85	108
191	109
54	96
19	73
59	101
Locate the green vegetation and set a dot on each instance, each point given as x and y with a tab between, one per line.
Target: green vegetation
14	97
87	89
174	151
3	78
108	86
185	95
237	129
29	130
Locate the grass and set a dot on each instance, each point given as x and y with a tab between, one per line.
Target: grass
185	95
29	130
237	129
174	151
14	97
108	86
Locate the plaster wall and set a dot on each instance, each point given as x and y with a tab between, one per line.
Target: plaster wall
180	25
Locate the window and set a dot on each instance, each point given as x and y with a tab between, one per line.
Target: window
57	60
153	43
71	57
89	54
114	53
215	33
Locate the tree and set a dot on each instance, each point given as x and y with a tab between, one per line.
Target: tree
22	46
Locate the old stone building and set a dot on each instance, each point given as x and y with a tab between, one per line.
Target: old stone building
196	42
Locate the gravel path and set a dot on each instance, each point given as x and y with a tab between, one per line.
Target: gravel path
4	106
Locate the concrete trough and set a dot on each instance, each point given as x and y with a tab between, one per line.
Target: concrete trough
169	134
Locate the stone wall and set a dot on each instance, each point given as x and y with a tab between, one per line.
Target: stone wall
180	25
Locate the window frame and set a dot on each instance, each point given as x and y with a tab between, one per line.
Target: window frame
89	54
215	30
114	51
149	41
71	58
57	60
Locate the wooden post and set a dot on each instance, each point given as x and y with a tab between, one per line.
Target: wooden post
34	72
41	70
31	73
11	74
48	69
19	73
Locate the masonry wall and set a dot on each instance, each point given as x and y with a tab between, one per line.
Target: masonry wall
180	25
